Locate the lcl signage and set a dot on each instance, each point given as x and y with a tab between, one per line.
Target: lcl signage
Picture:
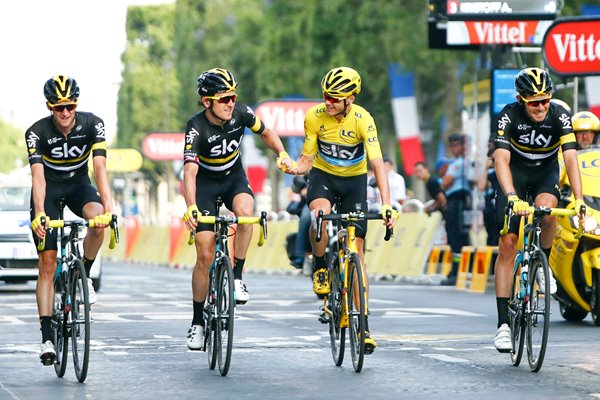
571	46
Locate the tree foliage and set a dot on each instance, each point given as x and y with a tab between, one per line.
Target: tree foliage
12	143
279	48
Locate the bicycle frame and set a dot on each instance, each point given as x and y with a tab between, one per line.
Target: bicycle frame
529	302
71	310
346	305
219	309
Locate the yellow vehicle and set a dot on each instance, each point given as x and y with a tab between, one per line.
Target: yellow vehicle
576	262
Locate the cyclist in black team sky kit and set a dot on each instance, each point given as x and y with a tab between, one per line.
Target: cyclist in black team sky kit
59	147
213	167
529	133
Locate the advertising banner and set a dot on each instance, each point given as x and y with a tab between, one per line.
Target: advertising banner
496	32
571	46
286	118
160	146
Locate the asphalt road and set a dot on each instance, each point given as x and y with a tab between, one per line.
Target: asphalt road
434	343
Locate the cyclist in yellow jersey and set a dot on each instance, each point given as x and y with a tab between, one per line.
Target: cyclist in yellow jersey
339	138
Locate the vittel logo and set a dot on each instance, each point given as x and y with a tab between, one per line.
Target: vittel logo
577	48
572	46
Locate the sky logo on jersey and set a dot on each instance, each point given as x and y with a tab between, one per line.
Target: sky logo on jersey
224	148
566	121
100	132
535	139
32	139
189	137
66	152
502	122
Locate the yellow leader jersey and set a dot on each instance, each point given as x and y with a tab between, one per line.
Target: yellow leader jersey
340	148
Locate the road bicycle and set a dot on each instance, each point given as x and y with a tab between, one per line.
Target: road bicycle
71	312
530	298
346	305
219	309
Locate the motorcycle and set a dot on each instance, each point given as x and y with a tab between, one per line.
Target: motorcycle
576	262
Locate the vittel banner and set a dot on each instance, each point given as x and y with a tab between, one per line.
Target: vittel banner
571	46
496	32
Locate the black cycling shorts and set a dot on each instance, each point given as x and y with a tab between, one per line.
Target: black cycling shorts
76	194
208	188
352	191
528	183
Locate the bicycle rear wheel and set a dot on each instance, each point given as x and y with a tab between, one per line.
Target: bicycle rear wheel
79	304
225	314
538	315
515	315
59	330
337	334
356	305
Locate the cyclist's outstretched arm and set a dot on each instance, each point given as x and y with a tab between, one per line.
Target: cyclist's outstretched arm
101	177
38	191
190	170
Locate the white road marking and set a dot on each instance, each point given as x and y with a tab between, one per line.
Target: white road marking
445	358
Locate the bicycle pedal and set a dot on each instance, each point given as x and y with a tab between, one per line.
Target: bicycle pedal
324	319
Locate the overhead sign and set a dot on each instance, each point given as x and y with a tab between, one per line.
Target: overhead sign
123	160
571	46
496	32
284	117
163	146
509	9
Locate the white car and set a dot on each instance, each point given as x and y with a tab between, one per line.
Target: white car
18	255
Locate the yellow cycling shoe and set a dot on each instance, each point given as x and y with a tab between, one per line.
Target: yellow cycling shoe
321	282
370	344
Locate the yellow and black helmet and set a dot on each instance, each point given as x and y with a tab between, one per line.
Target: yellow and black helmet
585	121
216	80
341	82
533	82
61	89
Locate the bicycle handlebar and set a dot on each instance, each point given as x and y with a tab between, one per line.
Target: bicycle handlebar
352	216
229	220
90	223
561	212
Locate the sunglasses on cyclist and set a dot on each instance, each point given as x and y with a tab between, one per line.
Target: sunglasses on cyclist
536	103
224	99
61	108
331	100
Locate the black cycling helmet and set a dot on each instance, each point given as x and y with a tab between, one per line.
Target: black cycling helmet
216	80
61	89
533	82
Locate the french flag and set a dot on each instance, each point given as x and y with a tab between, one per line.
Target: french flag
406	120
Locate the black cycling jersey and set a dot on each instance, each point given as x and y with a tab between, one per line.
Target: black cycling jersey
66	158
216	149
533	144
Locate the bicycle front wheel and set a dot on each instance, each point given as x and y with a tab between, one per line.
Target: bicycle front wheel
356	306
59	329
515	315
225	314
538	314
210	322
79	309
337	333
